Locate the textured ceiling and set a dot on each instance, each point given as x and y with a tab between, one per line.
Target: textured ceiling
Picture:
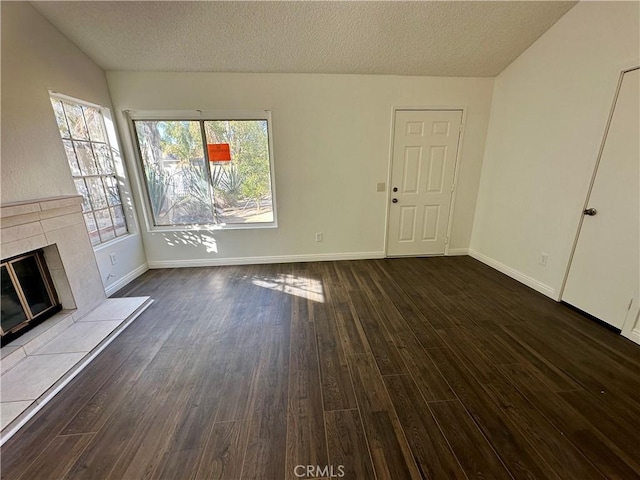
443	38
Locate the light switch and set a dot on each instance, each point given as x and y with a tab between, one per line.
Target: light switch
381	187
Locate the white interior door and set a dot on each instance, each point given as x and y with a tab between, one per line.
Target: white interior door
425	147
603	277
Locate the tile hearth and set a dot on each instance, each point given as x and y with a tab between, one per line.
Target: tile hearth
41	362
38	364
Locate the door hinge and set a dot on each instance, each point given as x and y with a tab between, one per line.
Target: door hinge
453	187
460	129
446	240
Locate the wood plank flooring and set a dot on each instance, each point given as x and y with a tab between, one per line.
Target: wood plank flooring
432	368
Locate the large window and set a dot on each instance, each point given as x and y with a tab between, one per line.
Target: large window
91	159
206	171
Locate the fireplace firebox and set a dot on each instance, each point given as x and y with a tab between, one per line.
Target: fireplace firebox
28	294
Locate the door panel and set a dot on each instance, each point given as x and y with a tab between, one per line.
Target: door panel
437	170
407	224
423	167
604	274
430	222
412	161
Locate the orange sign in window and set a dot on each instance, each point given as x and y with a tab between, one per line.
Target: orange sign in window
219	152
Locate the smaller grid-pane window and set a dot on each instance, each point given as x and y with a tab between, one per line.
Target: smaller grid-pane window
91	159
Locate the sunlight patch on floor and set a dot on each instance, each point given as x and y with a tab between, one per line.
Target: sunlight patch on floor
303	287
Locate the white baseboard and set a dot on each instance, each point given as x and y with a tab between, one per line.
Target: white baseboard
631	327
457	251
214	262
633	335
129	277
515	274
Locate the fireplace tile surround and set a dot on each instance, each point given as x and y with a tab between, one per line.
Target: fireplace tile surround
57	226
52	353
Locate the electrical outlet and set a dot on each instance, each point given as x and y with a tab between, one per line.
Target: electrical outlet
112	257
544	259
318	236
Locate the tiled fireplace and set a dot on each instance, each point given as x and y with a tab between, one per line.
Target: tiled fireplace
39	363
56	225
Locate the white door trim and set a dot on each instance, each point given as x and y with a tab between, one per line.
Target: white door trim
456	108
622	69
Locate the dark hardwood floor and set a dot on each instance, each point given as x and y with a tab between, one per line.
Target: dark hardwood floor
431	368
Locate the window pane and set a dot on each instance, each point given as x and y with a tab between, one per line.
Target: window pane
111	187
60	118
96	193
105	226
77	126
105	165
118	217
175	172
81	188
85	158
71	157
242	186
93	118
92	228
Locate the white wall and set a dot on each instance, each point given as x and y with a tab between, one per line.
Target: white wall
331	146
548	116
36	58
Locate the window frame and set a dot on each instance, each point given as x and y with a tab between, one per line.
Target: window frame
199	116
118	163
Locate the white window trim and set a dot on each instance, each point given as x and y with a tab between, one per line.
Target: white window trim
198	115
121	169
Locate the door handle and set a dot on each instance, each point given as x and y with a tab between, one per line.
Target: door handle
395	200
590	211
